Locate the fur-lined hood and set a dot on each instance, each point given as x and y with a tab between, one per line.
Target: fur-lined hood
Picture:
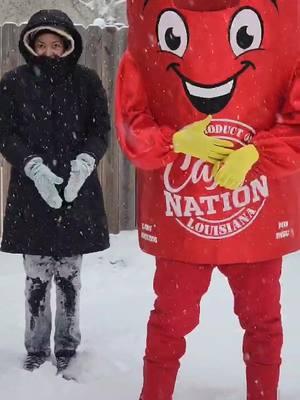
57	22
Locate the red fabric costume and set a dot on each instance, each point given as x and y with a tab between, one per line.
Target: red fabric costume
236	60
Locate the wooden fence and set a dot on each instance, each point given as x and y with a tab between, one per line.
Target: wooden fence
102	51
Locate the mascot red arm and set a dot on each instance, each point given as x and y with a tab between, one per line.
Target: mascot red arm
143	140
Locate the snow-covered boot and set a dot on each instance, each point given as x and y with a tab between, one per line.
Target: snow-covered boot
63	359
34	360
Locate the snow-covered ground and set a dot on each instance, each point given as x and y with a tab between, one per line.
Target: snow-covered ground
116	299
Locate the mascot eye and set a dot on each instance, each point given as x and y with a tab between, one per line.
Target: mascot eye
172	33
246	31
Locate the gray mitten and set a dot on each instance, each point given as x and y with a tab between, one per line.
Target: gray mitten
44	180
81	168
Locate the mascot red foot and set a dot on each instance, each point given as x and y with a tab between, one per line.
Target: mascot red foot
208	110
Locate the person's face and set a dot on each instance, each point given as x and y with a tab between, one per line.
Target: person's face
49	44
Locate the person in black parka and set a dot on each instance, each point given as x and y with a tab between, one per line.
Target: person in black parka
54	126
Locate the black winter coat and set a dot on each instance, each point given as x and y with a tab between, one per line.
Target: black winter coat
54	109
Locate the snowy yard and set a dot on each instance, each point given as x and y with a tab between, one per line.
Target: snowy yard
115	303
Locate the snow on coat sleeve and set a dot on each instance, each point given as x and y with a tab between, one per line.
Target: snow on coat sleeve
279	148
146	144
12	146
98	121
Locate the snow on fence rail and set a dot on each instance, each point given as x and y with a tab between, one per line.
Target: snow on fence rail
102	51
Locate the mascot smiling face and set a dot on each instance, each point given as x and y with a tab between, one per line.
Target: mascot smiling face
201	57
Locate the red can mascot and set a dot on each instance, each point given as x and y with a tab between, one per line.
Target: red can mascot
208	110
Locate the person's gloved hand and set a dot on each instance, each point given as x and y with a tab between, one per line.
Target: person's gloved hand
44	180
192	140
232	173
81	168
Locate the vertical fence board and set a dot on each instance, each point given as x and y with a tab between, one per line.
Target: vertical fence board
126	170
93	38
110	163
82	32
102	50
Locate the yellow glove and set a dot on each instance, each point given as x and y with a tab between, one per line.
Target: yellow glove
193	141
232	173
